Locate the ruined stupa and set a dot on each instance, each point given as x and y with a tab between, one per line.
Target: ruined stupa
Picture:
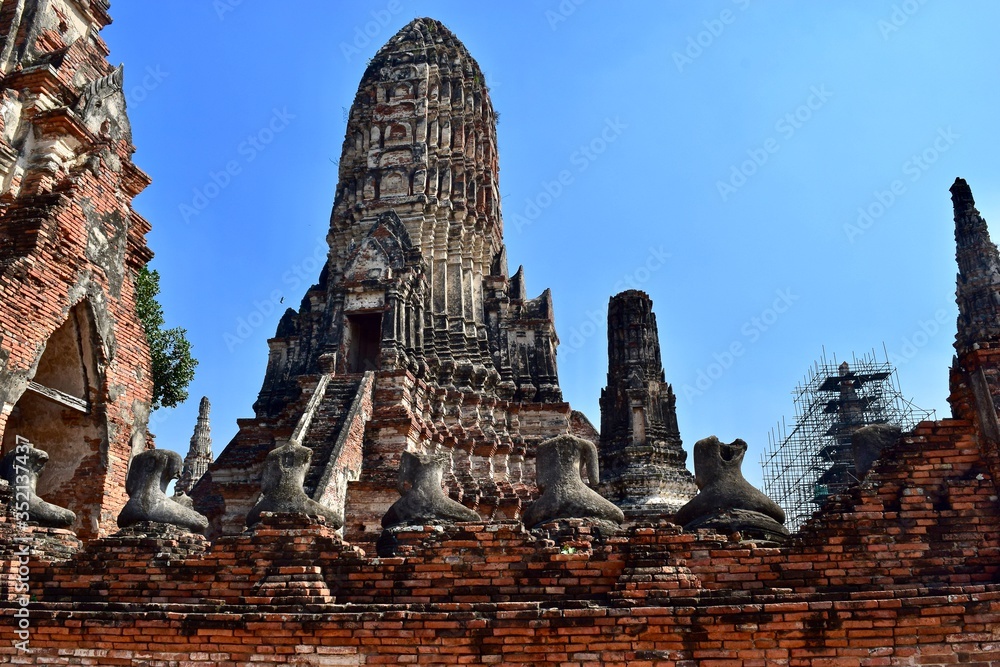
431	344
642	461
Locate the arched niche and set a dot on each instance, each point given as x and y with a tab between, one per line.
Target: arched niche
62	412
395	183
398	133
402	91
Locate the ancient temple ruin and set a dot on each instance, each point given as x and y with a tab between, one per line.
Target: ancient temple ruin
430	343
74	362
416	366
818	457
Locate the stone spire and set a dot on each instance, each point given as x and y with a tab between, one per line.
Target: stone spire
421	142
417	216
416	300
642	462
421	131
975	392
199	456
978	292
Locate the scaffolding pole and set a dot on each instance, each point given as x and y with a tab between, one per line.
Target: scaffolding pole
805	466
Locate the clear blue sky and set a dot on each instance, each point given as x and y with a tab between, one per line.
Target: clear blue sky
718	154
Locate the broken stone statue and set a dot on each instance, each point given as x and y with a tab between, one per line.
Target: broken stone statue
564	495
21	468
726	502
423	500
146	484
281	487
868	442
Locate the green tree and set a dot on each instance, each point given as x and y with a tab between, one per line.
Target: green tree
173	365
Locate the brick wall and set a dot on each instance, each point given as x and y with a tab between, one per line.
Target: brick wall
913	627
900	571
69	238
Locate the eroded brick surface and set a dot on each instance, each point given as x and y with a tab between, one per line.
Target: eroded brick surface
70	247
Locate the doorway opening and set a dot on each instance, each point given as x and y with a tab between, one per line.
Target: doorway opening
364	338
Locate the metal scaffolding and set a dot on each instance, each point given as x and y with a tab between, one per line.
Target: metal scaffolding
814	460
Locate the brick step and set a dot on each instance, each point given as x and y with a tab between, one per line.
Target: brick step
329	420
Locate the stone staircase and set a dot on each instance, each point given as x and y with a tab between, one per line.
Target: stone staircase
330	418
232	484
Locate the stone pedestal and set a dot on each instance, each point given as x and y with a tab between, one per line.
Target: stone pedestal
751	526
652	572
403	541
162	541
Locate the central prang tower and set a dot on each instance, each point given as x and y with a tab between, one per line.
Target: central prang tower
425	341
421	151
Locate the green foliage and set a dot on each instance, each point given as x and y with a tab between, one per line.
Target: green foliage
173	365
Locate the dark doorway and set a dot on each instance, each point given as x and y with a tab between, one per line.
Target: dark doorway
364	336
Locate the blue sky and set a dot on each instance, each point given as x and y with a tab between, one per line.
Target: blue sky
775	175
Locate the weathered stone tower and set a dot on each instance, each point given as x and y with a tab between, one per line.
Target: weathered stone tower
74	361
975	384
430	344
978	288
642	462
199	455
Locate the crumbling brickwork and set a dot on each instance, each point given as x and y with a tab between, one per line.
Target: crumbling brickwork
915	627
74	362
902	569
